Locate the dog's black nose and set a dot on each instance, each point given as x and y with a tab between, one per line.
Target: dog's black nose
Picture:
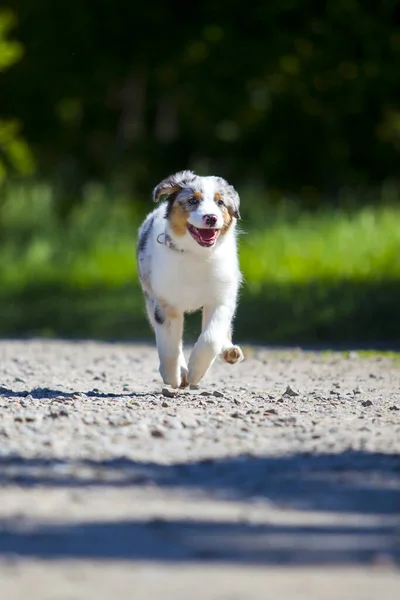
210	220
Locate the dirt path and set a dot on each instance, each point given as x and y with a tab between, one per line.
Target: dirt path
279	477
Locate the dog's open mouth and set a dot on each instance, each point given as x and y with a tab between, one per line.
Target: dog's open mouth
204	237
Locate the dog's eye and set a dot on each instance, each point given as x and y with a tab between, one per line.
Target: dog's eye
193	201
220	203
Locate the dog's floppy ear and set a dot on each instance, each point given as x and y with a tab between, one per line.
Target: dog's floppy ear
232	196
173	183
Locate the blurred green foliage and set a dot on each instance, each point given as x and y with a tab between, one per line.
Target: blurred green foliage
330	275
295	95
14	150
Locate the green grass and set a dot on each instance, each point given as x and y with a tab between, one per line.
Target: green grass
335	246
327	276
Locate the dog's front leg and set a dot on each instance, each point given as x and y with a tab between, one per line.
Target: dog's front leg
169	346
212	341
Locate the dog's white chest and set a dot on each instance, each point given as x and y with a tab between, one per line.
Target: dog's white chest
183	282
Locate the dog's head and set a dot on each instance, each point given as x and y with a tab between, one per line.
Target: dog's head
206	208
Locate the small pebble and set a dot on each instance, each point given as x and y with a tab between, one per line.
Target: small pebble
30	417
55	413
157	433
169	393
291	392
189	423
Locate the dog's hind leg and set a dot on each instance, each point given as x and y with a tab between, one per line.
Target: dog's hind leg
169	329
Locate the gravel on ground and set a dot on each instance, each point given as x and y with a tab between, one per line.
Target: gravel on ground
277	477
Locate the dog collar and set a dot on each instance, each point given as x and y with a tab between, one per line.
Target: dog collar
165	238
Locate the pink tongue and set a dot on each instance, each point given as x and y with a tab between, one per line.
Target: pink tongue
207	234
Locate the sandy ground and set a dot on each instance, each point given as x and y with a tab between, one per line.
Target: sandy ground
278	478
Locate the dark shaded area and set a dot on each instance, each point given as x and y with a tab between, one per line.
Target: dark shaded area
55	309
297	95
351	482
346	312
49	394
186	540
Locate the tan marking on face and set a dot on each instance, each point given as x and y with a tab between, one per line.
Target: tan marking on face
228	219
198	195
178	219
217	197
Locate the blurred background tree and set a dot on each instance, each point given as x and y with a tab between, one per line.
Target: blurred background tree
295	94
14	150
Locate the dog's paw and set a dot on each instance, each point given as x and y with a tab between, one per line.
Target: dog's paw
184	378
232	355
196	373
193	377
174	382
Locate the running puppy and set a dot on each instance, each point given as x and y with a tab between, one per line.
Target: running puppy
187	257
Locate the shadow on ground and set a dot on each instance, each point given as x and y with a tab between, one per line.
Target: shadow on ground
51	393
350	482
355	483
191	540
